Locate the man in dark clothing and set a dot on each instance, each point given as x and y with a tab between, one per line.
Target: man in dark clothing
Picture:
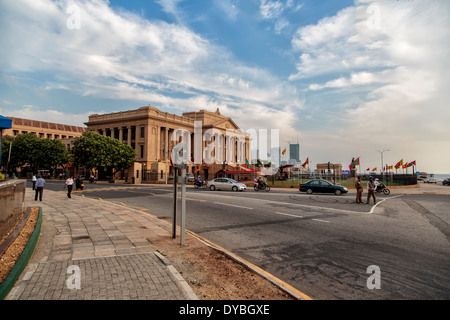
40	182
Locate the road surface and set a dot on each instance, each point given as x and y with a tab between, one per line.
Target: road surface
326	246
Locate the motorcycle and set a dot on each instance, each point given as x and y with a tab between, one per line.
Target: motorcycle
79	184
199	184
262	186
92	179
383	189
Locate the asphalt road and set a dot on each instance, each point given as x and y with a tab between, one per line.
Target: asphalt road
322	245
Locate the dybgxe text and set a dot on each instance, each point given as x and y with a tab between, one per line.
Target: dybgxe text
227	309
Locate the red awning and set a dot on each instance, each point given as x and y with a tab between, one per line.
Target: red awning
237	172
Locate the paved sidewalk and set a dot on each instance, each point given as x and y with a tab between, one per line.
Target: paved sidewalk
101	246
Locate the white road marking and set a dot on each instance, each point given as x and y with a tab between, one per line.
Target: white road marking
321	220
290	215
233	205
373	207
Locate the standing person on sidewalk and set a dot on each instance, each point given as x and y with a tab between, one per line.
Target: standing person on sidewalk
359	190
371	191
69	184
33	181
39	188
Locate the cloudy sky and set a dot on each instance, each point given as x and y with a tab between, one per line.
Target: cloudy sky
345	78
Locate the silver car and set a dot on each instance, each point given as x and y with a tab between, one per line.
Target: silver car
226	184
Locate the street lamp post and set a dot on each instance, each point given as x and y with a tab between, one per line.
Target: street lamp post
381	153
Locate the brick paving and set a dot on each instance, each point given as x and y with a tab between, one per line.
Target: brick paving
107	244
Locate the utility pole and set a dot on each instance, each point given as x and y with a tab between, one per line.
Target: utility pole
183	203
176	169
381	153
175	187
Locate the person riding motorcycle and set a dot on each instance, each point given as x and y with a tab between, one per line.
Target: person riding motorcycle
199	181
377	183
260	184
79	183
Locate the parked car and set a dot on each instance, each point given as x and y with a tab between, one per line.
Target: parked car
226	184
446	182
321	186
430	180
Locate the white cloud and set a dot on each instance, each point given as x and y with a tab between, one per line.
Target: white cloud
50	115
359	78
276	11
120	55
113	47
401	61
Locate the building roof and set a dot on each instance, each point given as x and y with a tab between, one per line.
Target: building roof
46	125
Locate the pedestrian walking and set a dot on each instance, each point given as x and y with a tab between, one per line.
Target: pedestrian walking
371	191
33	181
359	190
40	182
69	184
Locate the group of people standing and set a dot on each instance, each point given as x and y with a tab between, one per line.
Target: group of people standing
39	183
371	187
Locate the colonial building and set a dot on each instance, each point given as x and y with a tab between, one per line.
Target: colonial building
43	129
149	132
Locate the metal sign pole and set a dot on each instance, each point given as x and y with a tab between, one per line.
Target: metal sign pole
175	182
183	203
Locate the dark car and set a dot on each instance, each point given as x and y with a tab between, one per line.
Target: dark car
446	182
321	186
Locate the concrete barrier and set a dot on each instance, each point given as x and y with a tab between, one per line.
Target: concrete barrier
12	196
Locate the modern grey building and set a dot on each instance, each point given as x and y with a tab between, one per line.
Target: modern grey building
294	151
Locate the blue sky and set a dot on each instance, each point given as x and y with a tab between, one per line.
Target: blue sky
345	78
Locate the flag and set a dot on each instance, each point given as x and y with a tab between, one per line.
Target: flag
399	164
413	163
306	163
374	169
405	165
247	164
389	167
368	169
354	164
199	167
284	152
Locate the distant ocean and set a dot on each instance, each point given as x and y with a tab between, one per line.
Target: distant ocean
441	177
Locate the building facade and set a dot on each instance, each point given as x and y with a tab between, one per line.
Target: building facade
150	132
43	129
294	151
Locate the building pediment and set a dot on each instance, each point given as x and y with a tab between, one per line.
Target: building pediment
225	124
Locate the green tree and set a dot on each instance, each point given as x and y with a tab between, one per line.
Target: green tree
7	140
53	153
24	150
93	150
37	153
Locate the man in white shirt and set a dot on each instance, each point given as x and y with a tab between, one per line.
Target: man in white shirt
69	184
33	181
